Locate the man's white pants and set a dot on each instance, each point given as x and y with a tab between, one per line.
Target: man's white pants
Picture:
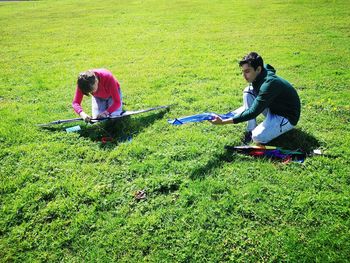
273	125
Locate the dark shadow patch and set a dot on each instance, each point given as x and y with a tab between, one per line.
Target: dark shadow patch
296	139
166	189
124	130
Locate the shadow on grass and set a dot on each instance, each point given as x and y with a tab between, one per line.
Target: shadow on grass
112	132
120	130
293	140
296	139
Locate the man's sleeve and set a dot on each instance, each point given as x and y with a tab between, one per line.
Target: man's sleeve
267	94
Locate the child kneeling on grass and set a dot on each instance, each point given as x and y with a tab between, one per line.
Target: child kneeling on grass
106	94
268	94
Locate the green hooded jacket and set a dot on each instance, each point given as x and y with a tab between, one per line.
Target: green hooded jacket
274	93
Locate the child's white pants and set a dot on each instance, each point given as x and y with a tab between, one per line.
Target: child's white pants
99	105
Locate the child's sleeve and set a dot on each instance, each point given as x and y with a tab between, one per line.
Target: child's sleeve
76	104
113	87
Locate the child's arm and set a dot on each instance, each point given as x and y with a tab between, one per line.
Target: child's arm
76	104
78	98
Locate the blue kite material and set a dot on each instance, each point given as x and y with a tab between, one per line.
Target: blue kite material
207	116
73	129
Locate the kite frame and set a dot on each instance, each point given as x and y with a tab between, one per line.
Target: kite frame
123	114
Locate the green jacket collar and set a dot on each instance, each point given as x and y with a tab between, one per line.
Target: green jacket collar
259	79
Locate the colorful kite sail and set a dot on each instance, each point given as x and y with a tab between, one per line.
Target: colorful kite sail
270	152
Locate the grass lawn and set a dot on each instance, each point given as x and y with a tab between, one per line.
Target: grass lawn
68	197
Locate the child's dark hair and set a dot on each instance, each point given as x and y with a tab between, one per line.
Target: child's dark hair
86	81
253	59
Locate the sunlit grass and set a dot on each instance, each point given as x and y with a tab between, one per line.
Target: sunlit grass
69	197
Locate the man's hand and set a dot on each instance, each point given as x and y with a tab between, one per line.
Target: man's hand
85	117
218	121
103	115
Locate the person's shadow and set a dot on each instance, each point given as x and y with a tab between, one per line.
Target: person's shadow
295	139
110	133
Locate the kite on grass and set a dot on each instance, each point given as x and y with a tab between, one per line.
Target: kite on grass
207	116
269	152
123	114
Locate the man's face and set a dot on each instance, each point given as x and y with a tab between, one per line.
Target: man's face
249	73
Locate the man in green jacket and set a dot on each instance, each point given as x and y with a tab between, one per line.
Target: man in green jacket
268	94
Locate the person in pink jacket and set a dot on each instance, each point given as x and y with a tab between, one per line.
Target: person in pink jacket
105	91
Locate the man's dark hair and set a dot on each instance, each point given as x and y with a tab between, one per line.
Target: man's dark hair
253	59
86	81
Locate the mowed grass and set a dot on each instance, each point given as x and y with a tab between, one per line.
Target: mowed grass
68	197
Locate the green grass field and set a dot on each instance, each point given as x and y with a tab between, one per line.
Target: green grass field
68	197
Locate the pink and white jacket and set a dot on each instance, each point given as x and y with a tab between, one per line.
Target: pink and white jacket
108	86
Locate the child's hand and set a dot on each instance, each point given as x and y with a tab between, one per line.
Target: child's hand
85	117
103	115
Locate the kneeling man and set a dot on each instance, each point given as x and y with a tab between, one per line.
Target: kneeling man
268	94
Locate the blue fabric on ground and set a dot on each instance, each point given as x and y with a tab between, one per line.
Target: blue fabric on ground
207	116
